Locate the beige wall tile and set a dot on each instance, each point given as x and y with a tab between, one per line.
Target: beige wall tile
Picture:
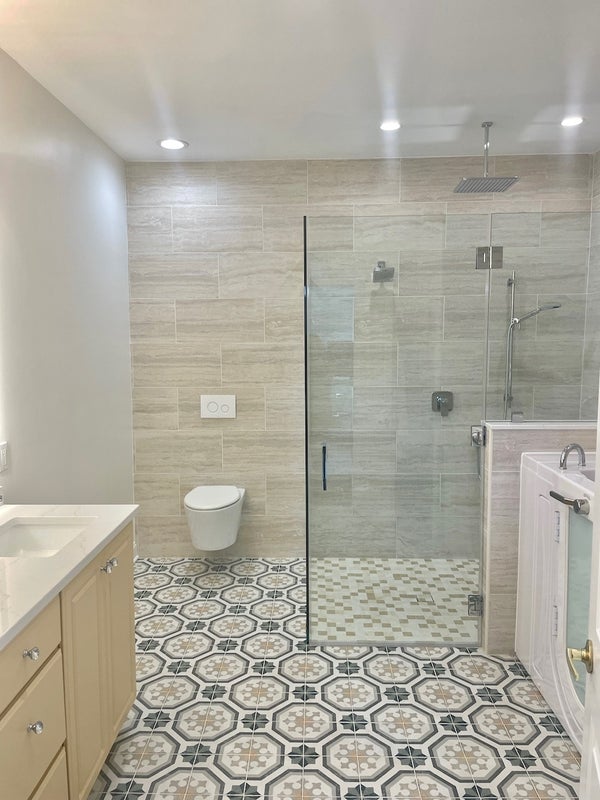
261	182
155	408
399	233
163	536
467	230
399	209
250	408
353	271
392	409
498	632
158	495
250	275
374	364
285	493
461	494
284	320
284	226
400	319
465	317
149	229
364	181
547	270
178	276
348	535
220	320
178	364
212	229
437	364
152	320
565	230
547	177
438	450
441	272
170	184
285	407
518	230
329	233
268	363
177	452
270	450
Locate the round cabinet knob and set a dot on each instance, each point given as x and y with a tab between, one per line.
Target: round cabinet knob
33	653
36	727
114	562
107	568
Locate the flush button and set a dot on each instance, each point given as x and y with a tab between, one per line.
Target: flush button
217	406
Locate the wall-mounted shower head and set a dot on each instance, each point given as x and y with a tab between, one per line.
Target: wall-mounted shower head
536	311
382	274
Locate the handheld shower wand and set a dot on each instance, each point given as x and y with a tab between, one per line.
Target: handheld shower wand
516	323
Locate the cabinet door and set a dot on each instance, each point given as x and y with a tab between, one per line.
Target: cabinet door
82	603
119	618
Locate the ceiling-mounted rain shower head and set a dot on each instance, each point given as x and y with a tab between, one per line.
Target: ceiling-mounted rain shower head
485	184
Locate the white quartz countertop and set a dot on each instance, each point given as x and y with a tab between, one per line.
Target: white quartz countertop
28	584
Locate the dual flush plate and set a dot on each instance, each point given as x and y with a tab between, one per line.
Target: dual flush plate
217	406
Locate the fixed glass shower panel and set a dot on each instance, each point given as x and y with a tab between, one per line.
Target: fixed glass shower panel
543	363
396	330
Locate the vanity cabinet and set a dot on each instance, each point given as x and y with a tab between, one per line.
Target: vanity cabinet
99	663
32	713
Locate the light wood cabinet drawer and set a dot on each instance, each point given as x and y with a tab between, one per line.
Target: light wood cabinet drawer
25	755
16	669
54	786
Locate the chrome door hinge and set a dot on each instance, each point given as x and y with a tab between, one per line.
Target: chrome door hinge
475	605
478	436
489	257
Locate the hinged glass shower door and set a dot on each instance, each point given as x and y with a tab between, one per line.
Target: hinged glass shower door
396	332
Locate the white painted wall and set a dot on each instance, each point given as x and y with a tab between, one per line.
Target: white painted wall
65	387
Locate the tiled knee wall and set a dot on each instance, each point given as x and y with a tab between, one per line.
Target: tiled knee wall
505	444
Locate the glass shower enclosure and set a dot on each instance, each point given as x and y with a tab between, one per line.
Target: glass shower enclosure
406	344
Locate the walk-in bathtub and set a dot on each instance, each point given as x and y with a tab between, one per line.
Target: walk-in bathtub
555	546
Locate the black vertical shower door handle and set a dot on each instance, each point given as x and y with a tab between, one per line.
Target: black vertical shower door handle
324	467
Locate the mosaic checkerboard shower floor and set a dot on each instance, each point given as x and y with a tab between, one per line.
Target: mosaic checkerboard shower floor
392	599
231	704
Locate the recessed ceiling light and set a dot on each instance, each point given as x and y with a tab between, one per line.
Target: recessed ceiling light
390	125
570	122
173	144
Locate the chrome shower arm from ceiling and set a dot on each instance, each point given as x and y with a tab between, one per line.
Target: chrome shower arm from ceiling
486	146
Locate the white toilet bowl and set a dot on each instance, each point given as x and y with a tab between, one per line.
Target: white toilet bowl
214	514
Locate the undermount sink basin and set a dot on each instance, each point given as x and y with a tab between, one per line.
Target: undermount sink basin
39	537
589	472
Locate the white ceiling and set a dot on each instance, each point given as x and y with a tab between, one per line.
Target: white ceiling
256	79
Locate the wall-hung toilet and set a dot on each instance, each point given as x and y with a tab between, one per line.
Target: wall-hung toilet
214	514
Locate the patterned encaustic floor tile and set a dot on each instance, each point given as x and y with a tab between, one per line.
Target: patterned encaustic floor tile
392	599
232	704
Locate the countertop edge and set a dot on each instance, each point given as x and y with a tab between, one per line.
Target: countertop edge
42	602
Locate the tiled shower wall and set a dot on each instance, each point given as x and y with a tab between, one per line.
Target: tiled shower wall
591	358
216	255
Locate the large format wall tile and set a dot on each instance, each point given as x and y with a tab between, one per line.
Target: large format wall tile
178	276
261	182
221	320
216	277
156	184
260	275
207	228
366	181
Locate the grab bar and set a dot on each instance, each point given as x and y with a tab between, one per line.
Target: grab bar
579	506
324	467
